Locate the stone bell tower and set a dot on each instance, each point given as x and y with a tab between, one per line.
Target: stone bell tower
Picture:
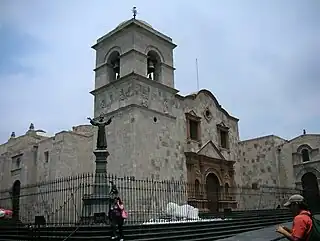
134	83
134	47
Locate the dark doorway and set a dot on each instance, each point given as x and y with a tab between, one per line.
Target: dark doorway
311	190
213	192
197	189
16	199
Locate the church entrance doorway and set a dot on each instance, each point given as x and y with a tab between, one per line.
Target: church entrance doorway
16	199
213	192
310	190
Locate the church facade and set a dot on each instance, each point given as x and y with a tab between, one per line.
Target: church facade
158	134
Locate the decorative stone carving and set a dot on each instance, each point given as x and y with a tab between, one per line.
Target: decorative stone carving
226	176
122	95
165	106
145	102
125	92
207	114
142	90
102	104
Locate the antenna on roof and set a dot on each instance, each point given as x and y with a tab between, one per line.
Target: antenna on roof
135	12
197	68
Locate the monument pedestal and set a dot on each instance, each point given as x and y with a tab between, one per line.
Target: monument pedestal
97	204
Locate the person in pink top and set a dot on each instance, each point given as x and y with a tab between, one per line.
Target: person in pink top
116	218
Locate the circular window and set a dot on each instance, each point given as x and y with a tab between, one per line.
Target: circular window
155	119
208	113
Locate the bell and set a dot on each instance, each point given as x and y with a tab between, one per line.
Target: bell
116	66
150	66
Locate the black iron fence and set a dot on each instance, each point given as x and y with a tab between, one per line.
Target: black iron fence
72	200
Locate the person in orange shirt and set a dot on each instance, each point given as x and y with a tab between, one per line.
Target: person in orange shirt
302	222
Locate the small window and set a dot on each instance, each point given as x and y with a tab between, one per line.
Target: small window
305	155
224	139
194	130
254	186
18	162
193	126
46	156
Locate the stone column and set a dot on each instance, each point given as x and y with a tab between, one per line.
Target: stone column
101	185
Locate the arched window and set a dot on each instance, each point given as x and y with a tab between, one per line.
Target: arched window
305	155
114	65
153	66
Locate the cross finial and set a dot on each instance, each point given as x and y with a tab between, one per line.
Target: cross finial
134	11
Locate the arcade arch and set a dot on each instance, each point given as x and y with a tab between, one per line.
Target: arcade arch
310	188
16	199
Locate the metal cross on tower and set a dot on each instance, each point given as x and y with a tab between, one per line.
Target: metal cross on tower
134	11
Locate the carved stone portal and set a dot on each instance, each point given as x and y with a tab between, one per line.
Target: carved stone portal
211	183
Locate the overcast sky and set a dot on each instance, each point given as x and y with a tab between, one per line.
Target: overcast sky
261	59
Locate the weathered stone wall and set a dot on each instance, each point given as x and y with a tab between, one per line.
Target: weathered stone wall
263	197
291	159
260	165
158	149
258	161
120	138
24	146
70	153
134	90
199	103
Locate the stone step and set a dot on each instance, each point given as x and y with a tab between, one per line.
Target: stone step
148	227
162	232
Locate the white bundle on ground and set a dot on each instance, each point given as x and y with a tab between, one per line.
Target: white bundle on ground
185	211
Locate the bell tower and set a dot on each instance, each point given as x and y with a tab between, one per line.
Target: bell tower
134	47
134	84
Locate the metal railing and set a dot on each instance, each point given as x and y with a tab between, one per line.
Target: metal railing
61	201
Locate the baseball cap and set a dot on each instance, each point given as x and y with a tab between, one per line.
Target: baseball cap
296	198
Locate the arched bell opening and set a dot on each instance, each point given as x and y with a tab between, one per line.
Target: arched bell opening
113	62
153	65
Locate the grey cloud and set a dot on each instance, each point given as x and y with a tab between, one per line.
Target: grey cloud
253	55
